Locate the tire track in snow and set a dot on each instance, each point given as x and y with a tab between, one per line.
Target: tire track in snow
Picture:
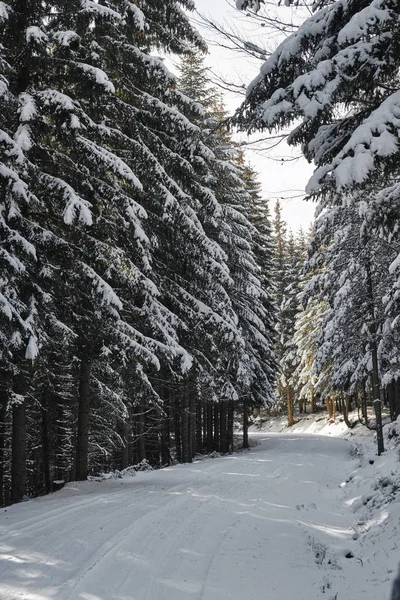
197	532
102	555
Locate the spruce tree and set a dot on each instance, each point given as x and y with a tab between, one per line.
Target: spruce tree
251	370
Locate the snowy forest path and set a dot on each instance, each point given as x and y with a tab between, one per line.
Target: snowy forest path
269	522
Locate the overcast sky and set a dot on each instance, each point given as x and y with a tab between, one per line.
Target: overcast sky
280	179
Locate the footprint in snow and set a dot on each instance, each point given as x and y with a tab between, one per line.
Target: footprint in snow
310	506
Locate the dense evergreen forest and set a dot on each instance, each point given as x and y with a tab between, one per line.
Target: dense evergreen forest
334	83
136	306
148	298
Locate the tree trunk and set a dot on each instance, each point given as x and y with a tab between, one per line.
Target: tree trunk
204	421
312	401
364	405
18	456
82	440
375	365
223	427
45	444
210	437
199	425
289	406
185	425
169	416
230	426
125	441
345	408
379	429
165	443
152	440
391	400
141	442
397	398
245	425
131	437
60	466
3	410
330	407
217	439
192	423
177	429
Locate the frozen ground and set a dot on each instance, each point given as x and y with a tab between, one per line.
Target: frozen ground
272	523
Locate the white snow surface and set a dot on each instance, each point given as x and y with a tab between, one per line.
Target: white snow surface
274	522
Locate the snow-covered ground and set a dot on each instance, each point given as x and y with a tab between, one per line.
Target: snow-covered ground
309	423
294	518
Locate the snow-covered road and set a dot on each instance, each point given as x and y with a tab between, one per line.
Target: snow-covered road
270	523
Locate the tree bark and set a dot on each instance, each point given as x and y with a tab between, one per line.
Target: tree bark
223	427
289	406
45	444
185	425
177	429
125	447
82	440
245	425
217	439
379	429
312	401
141	442
3	409
345	406
199	425
18	456
397	398
192	423
210	437
230	426
165	451
391	400
330	407
131	443
375	365
204	421
60	469
364	405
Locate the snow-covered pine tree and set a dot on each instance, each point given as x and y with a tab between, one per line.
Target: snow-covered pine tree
308	330
21	297
258	214
354	347
279	246
309	383
251	372
280	283
215	353
256	366
338	74
288	313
